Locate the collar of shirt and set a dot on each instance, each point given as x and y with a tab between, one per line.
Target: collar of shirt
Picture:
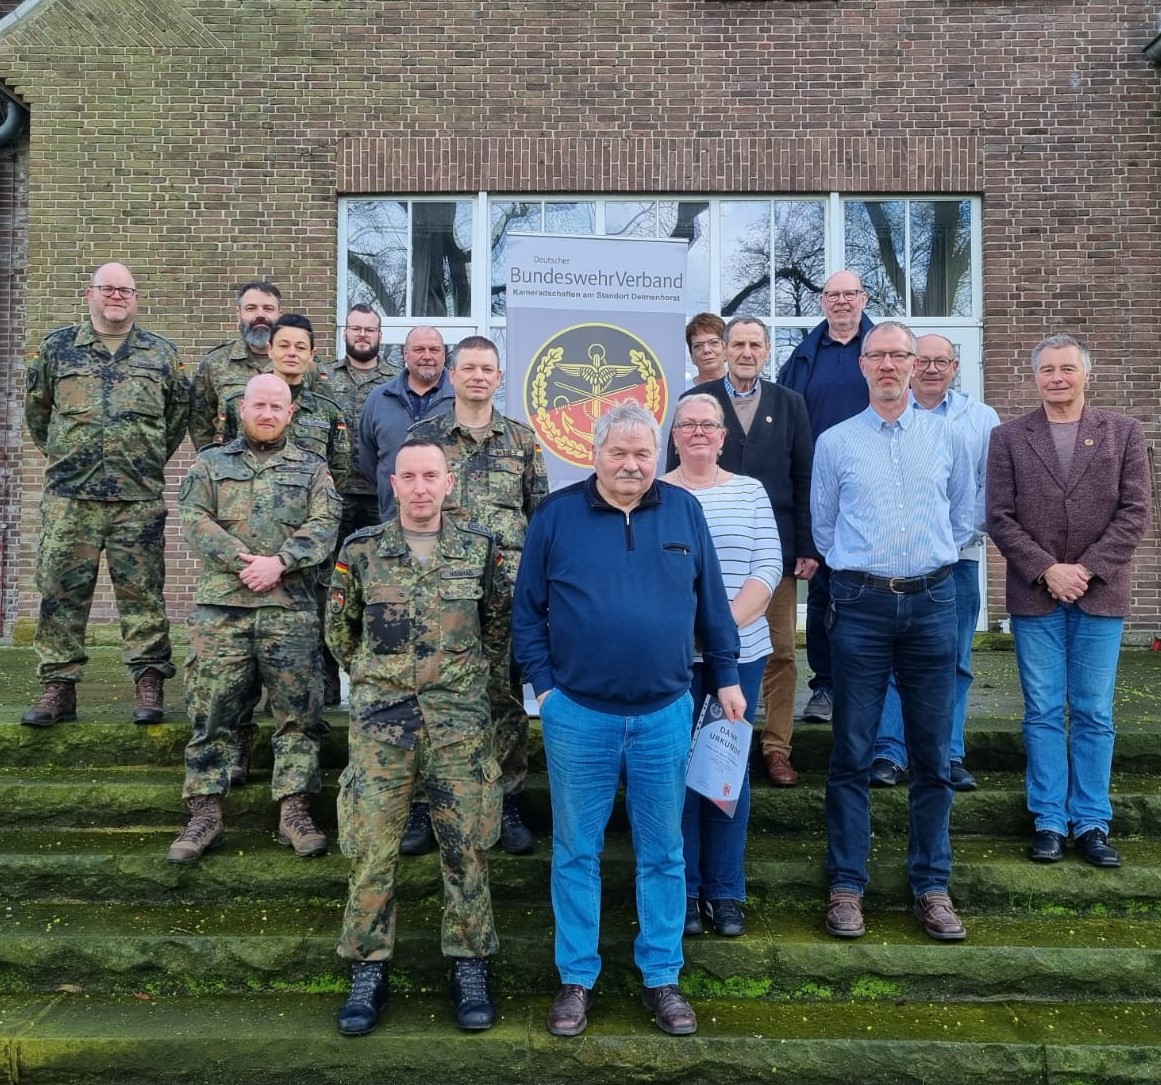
942	407
878	422
733	392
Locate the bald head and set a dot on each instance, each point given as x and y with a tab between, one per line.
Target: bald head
266	408
112	298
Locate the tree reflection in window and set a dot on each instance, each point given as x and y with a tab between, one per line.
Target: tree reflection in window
410	257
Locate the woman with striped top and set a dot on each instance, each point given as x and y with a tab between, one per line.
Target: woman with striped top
746	538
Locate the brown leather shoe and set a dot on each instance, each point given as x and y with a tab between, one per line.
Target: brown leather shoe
779	769
844	914
935	912
149	699
671	1010
567	1016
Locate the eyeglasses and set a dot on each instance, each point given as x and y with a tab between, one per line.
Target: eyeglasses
356	328
897	356
846	295
692	427
939	364
702	344
115	291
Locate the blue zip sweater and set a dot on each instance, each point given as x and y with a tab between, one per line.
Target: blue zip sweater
608	603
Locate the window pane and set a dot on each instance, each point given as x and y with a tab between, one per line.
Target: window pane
745	258
508	217
377	255
638	219
875	252
441	259
570	218
785	340
941	265
690	219
799	257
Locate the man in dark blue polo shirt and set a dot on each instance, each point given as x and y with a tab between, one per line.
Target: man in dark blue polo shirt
824	369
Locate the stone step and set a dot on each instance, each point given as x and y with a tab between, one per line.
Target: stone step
168	949
120	797
275	1039
990	875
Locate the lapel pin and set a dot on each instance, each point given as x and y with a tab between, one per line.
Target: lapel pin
1088	441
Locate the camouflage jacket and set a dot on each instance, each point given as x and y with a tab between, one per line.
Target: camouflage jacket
418	643
223	373
235	501
108	425
316	425
498	482
349	388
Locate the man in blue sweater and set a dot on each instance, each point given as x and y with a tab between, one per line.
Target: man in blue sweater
824	370
619	576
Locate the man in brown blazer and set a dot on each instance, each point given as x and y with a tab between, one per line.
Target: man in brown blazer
1068	502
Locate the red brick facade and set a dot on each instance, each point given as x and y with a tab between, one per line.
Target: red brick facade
205	143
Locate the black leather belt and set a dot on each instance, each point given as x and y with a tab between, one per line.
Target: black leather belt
900	585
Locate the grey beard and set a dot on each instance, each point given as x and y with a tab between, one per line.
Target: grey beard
256	336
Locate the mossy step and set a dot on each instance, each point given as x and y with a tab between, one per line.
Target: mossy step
276	1039
991	875
239	947
44	797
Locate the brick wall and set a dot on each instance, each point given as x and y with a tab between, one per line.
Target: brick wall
204	143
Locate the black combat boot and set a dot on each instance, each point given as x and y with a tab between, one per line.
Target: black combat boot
149	700
58	701
515	837
470	995
418	837
367	1000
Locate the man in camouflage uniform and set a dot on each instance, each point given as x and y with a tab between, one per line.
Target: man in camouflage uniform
107	403
417	608
317	425
226	368
499	480
262	515
350	380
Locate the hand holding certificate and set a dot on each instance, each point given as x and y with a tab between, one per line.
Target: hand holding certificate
719	756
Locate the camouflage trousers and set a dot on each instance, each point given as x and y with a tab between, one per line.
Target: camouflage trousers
73	534
375	793
231	649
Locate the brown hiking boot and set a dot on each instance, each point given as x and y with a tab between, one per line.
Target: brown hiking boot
297	830
240	767
203	833
58	701
149	702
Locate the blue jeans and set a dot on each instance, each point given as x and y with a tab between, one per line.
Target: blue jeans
715	843
889	745
1068	657
875	632
588	755
818	646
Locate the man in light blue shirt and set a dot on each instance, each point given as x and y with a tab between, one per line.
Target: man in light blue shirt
890	505
936	366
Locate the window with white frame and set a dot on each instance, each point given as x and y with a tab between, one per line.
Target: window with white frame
441	260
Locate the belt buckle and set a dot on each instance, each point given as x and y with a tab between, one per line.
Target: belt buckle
891	584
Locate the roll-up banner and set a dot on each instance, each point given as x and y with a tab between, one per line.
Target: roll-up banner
592	322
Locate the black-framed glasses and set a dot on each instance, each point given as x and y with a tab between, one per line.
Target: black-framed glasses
941	365
115	291
689	426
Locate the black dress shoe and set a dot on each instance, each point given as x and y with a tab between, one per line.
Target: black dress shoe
1046	847
886	773
693	923
961	779
1094	848
725	915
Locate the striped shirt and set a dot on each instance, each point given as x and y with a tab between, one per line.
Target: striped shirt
746	539
892	498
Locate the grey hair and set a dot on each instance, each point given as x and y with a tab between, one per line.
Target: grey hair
630	416
884	325
1060	342
699	398
748	320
